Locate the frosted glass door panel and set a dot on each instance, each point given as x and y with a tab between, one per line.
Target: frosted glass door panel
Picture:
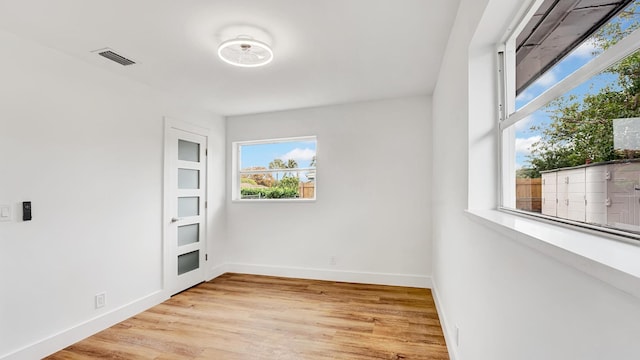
188	206
188	179
188	262
188	234
188	151
185	206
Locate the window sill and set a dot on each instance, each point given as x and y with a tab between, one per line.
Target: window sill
253	201
612	261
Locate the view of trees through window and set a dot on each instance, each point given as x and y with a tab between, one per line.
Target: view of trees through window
578	157
281	169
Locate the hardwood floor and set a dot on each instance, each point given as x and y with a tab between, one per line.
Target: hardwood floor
258	317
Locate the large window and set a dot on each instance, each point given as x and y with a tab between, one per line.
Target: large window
570	114
279	169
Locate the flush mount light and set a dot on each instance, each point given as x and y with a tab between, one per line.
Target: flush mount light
245	52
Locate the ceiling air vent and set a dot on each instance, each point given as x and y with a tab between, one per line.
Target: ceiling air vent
113	56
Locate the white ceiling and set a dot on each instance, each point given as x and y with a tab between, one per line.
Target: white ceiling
325	51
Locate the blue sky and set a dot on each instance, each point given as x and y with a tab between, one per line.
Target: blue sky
262	154
576	59
526	137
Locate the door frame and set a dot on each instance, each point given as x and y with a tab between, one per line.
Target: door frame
169	124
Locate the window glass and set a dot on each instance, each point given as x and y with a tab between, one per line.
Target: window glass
617	28
577	157
276	169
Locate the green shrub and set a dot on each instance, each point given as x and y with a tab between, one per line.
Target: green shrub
269	193
289	182
245	180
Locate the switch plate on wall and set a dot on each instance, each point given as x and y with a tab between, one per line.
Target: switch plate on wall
5	212
101	300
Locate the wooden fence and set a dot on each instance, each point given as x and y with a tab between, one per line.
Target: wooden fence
307	190
529	194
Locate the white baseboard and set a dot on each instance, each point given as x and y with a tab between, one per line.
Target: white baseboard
420	281
70	336
216	271
78	332
447	328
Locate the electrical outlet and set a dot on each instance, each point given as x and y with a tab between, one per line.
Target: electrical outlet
456	335
333	260
101	300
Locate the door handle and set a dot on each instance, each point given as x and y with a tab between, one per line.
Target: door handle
175	220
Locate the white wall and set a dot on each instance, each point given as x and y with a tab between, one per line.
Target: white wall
508	300
373	196
86	147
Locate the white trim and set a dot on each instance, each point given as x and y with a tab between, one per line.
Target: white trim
236	171
275	170
508	47
216	271
284	200
62	339
362	277
611	261
447	328
276	140
94	325
186	126
619	51
521	18
166	211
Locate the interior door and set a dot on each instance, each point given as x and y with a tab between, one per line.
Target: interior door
185	207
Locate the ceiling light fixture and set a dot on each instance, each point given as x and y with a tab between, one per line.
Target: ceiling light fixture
245	52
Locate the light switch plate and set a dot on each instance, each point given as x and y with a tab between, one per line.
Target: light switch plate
5	212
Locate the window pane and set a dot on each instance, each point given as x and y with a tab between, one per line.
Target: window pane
277	170
277	185
188	151
578	158
539	44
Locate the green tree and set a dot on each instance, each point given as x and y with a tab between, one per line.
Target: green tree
581	131
291	164
527	173
290	182
246	180
277	164
263	178
581	128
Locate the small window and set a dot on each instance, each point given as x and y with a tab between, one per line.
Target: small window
278	169
570	115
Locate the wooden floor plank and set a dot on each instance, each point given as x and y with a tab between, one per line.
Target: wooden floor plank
238	316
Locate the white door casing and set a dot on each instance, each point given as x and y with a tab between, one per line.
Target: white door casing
184	219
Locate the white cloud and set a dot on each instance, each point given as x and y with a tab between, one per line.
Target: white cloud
299	154
524	124
523	145
585	50
525	96
547	79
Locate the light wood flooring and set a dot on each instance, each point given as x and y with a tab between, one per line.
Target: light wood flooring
258	317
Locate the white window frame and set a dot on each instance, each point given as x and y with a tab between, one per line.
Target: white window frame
237	171
508	116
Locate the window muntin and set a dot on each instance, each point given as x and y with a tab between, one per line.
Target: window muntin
570	153
278	169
